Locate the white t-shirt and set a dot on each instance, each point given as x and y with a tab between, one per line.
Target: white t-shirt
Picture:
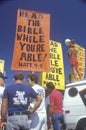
1	94
41	91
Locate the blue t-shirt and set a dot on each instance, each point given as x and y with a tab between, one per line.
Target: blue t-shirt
18	96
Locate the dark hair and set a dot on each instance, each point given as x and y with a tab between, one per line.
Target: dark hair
2	76
33	77
72	43
18	76
50	85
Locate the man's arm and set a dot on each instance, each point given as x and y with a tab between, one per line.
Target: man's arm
51	106
69	52
4	109
37	104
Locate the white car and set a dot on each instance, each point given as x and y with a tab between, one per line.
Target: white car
74	105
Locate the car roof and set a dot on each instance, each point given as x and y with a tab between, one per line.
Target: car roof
76	83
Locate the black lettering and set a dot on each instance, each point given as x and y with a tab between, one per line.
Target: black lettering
19	37
38	23
41	39
59	71
55	56
29	57
35	31
57	77
30	48
24	64
41	31
33	16
39	57
22	28
33	22
40	48
53	50
34	39
19	28
54	62
46	76
23	56
29	22
30	39
29	30
20	64
53	69
23	14
52	77
25	38
54	44
34	57
22	46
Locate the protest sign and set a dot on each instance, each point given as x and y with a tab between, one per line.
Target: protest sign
56	74
31	48
2	62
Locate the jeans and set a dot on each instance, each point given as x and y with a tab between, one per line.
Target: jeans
56	118
17	122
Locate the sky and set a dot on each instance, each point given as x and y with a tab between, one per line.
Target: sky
67	20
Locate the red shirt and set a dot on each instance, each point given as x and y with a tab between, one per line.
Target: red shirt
56	99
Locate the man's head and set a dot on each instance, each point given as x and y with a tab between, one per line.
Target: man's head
2	79
69	42
50	86
72	43
18	77
32	79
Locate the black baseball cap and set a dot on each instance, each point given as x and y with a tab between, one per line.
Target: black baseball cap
2	76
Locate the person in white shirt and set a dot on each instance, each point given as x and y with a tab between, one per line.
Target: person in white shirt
47	102
2	87
38	120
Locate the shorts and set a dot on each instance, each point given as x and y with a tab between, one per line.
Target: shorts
73	62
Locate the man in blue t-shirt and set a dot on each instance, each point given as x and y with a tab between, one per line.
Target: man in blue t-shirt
15	103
